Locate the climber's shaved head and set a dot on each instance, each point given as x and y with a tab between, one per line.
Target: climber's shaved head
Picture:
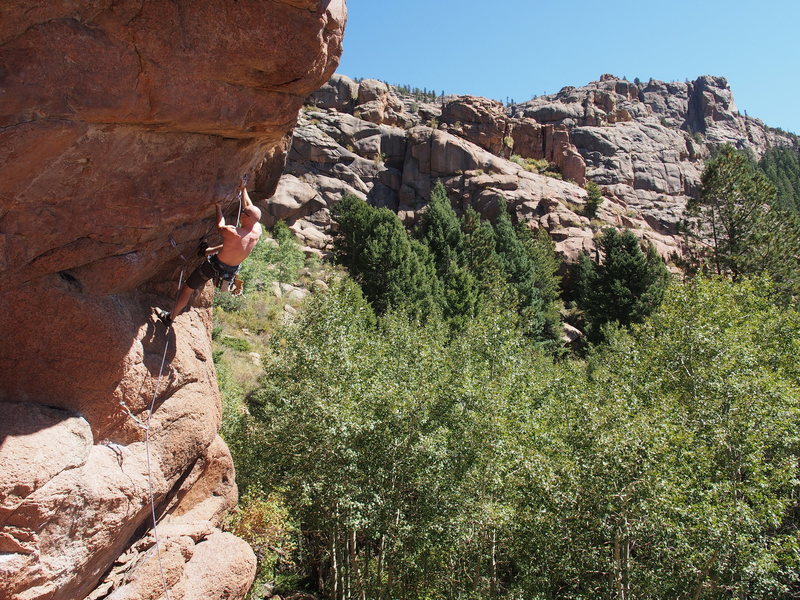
253	212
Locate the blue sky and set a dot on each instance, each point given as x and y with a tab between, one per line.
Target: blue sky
517	48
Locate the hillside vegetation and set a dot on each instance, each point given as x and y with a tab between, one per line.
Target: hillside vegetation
419	430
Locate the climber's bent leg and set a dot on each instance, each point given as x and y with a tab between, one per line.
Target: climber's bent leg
182	300
195	281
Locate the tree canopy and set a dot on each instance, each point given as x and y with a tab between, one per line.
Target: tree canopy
454	265
416	462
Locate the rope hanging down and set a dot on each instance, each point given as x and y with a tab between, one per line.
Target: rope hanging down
147	436
150	471
152	408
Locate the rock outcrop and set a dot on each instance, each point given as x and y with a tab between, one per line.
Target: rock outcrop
121	124
644	144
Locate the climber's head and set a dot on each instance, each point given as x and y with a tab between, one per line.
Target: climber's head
250	216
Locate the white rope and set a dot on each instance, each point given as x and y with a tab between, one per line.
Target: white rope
149	469
147	446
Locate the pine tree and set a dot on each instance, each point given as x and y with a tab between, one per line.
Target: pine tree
530	266
739	227
480	257
546	265
440	231
782	168
394	271
625	287
594	199
728	216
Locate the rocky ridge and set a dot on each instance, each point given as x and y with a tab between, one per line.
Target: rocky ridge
644	144
121	124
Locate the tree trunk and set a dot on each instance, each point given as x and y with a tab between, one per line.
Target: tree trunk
334	568
493	588
348	569
354	566
379	576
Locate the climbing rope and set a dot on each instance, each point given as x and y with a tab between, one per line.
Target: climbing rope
240	196
150	471
147	435
146	425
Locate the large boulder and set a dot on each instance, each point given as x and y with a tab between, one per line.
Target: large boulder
378	104
481	121
106	187
340	93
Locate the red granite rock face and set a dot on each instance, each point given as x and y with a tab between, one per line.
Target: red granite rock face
121	124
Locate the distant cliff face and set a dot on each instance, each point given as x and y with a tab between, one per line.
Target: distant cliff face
645	145
121	123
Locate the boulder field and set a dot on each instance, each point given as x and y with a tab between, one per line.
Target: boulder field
121	124
644	144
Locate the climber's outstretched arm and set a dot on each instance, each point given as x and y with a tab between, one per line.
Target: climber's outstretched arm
226	231
246	202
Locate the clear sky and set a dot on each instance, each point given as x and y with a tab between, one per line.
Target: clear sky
520	48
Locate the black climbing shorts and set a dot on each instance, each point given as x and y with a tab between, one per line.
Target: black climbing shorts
211	268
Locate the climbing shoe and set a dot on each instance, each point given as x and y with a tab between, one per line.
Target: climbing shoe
164	316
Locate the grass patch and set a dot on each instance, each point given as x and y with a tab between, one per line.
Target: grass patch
537	165
237	344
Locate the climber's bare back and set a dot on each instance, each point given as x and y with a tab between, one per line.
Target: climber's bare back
238	243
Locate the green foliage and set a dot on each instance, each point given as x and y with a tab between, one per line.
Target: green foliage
536	165
419	94
625	287
264	523
737	227
278	260
594	198
452	267
729	213
396	436
394	271
529	265
237	344
671	472
545	264
440	231
420	462
782	168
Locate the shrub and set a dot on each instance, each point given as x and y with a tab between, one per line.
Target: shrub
237	344
273	262
263	522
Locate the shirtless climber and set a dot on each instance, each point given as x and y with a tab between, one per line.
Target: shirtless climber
222	261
